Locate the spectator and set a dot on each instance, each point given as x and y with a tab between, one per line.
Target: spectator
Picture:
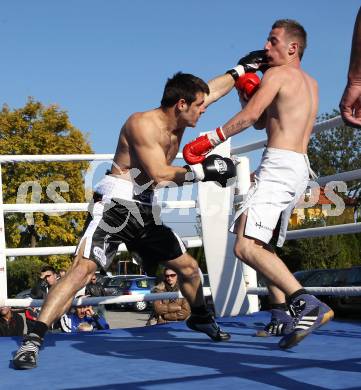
48	278
93	288
167	310
83	319
11	323
61	272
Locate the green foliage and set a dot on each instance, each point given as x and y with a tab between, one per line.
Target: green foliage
36	129
339	251
22	273
336	150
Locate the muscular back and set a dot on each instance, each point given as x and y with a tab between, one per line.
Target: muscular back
292	113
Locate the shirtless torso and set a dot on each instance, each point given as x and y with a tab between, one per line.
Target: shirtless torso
149	142
151	124
291	115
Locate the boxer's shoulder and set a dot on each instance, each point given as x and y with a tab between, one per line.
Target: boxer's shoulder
144	123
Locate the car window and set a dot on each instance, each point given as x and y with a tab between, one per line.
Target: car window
115	282
302	276
321	278
340	277
145	283
354	277
124	283
142	283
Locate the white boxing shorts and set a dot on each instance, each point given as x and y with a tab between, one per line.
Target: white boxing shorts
280	181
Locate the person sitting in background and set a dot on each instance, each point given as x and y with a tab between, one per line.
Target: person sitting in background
48	278
61	272
93	288
74	321
167	310
11	323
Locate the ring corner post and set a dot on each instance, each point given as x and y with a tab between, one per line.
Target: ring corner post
225	272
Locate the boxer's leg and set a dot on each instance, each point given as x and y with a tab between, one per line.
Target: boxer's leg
252	252
190	285
55	305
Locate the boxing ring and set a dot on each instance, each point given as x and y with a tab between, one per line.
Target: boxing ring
159	356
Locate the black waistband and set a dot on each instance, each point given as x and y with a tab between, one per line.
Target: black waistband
144	197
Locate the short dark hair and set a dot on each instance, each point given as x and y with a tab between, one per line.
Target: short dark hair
182	86
294	30
46	268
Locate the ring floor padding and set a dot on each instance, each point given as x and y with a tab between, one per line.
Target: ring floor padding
172	357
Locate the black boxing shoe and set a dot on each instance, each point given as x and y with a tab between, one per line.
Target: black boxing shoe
26	356
208	326
281	323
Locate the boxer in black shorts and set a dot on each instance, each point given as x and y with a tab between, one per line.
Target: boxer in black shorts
123	211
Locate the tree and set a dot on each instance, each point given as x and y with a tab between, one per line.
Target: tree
36	129
22	273
337	150
339	251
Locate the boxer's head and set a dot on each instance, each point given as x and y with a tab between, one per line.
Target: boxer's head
186	93
286	42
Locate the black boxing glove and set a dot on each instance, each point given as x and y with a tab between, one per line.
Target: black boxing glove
252	62
214	168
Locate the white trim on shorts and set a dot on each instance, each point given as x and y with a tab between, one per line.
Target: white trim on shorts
98	210
181	243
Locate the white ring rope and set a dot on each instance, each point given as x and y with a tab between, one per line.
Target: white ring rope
321	126
342	176
105	300
194	242
9	158
347	228
335	291
64	207
27	302
189	241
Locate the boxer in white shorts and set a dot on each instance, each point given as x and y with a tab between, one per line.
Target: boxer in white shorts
279	182
286	105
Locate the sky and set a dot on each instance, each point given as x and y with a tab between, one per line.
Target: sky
103	60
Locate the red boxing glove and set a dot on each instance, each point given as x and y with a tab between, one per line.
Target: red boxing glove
195	151
247	85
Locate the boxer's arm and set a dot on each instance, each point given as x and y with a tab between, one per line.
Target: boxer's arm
218	88
261	122
350	104
221	85
195	151
144	138
269	88
355	59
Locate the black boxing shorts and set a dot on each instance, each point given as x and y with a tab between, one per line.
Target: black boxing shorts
113	221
